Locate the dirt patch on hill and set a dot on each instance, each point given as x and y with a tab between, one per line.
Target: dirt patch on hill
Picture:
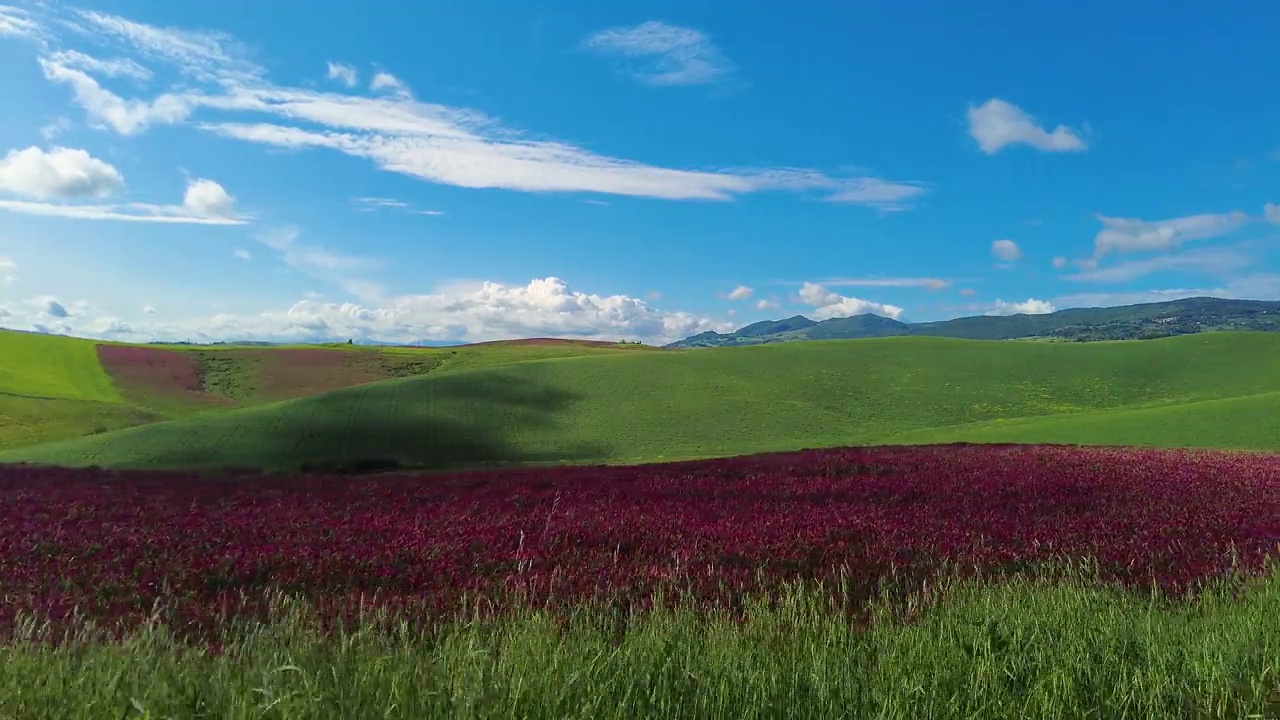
153	376
271	374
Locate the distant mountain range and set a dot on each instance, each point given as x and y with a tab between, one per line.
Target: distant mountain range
1129	322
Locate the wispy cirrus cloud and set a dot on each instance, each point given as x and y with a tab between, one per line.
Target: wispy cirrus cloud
227	94
997	124
929	283
1213	261
663	55
16	22
1125	235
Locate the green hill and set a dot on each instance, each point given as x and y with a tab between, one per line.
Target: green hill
1129	322
652	406
54	387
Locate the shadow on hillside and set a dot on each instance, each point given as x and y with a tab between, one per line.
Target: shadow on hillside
495	420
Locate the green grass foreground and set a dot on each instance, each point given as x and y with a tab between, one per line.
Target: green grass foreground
1015	649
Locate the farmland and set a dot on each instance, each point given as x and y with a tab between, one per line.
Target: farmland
1114	568
517	404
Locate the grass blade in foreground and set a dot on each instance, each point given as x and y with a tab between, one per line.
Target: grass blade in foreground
1016	649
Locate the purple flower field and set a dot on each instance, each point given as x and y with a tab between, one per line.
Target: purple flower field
113	543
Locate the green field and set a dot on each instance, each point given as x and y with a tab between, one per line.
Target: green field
493	404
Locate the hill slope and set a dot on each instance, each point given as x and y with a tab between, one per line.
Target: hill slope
637	407
54	387
1130	322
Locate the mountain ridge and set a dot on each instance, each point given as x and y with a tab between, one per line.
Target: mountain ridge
1125	322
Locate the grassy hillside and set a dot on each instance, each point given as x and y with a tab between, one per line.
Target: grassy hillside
650	406
50	366
55	388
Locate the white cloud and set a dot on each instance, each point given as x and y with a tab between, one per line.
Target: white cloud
386	82
1060	262
832	305
1030	306
1132	235
208	198
129	212
1205	260
1271	212
49	305
208	56
887	196
55	128
396	132
996	124
467	312
205	203
967	292
668	55
16	22
343	73
924	282
149	309
115	67
59	173
373	203
1006	250
764	304
242	254
1255	286
7	269
742	292
432	213
126	117
321	264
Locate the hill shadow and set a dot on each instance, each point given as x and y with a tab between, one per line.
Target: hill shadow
493	420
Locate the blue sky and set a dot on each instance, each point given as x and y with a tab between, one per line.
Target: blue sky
481	170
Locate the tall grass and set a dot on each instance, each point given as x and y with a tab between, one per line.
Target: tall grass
1043	647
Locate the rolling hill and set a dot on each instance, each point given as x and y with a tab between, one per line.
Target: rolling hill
1130	322
1218	389
54	387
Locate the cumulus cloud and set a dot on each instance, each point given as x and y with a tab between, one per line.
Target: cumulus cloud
59	173
343	73
206	197
1271	212
149	309
49	305
1030	306
742	292
996	124
397	132
663	54
766	304
832	305
463	312
1133	235
1006	250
